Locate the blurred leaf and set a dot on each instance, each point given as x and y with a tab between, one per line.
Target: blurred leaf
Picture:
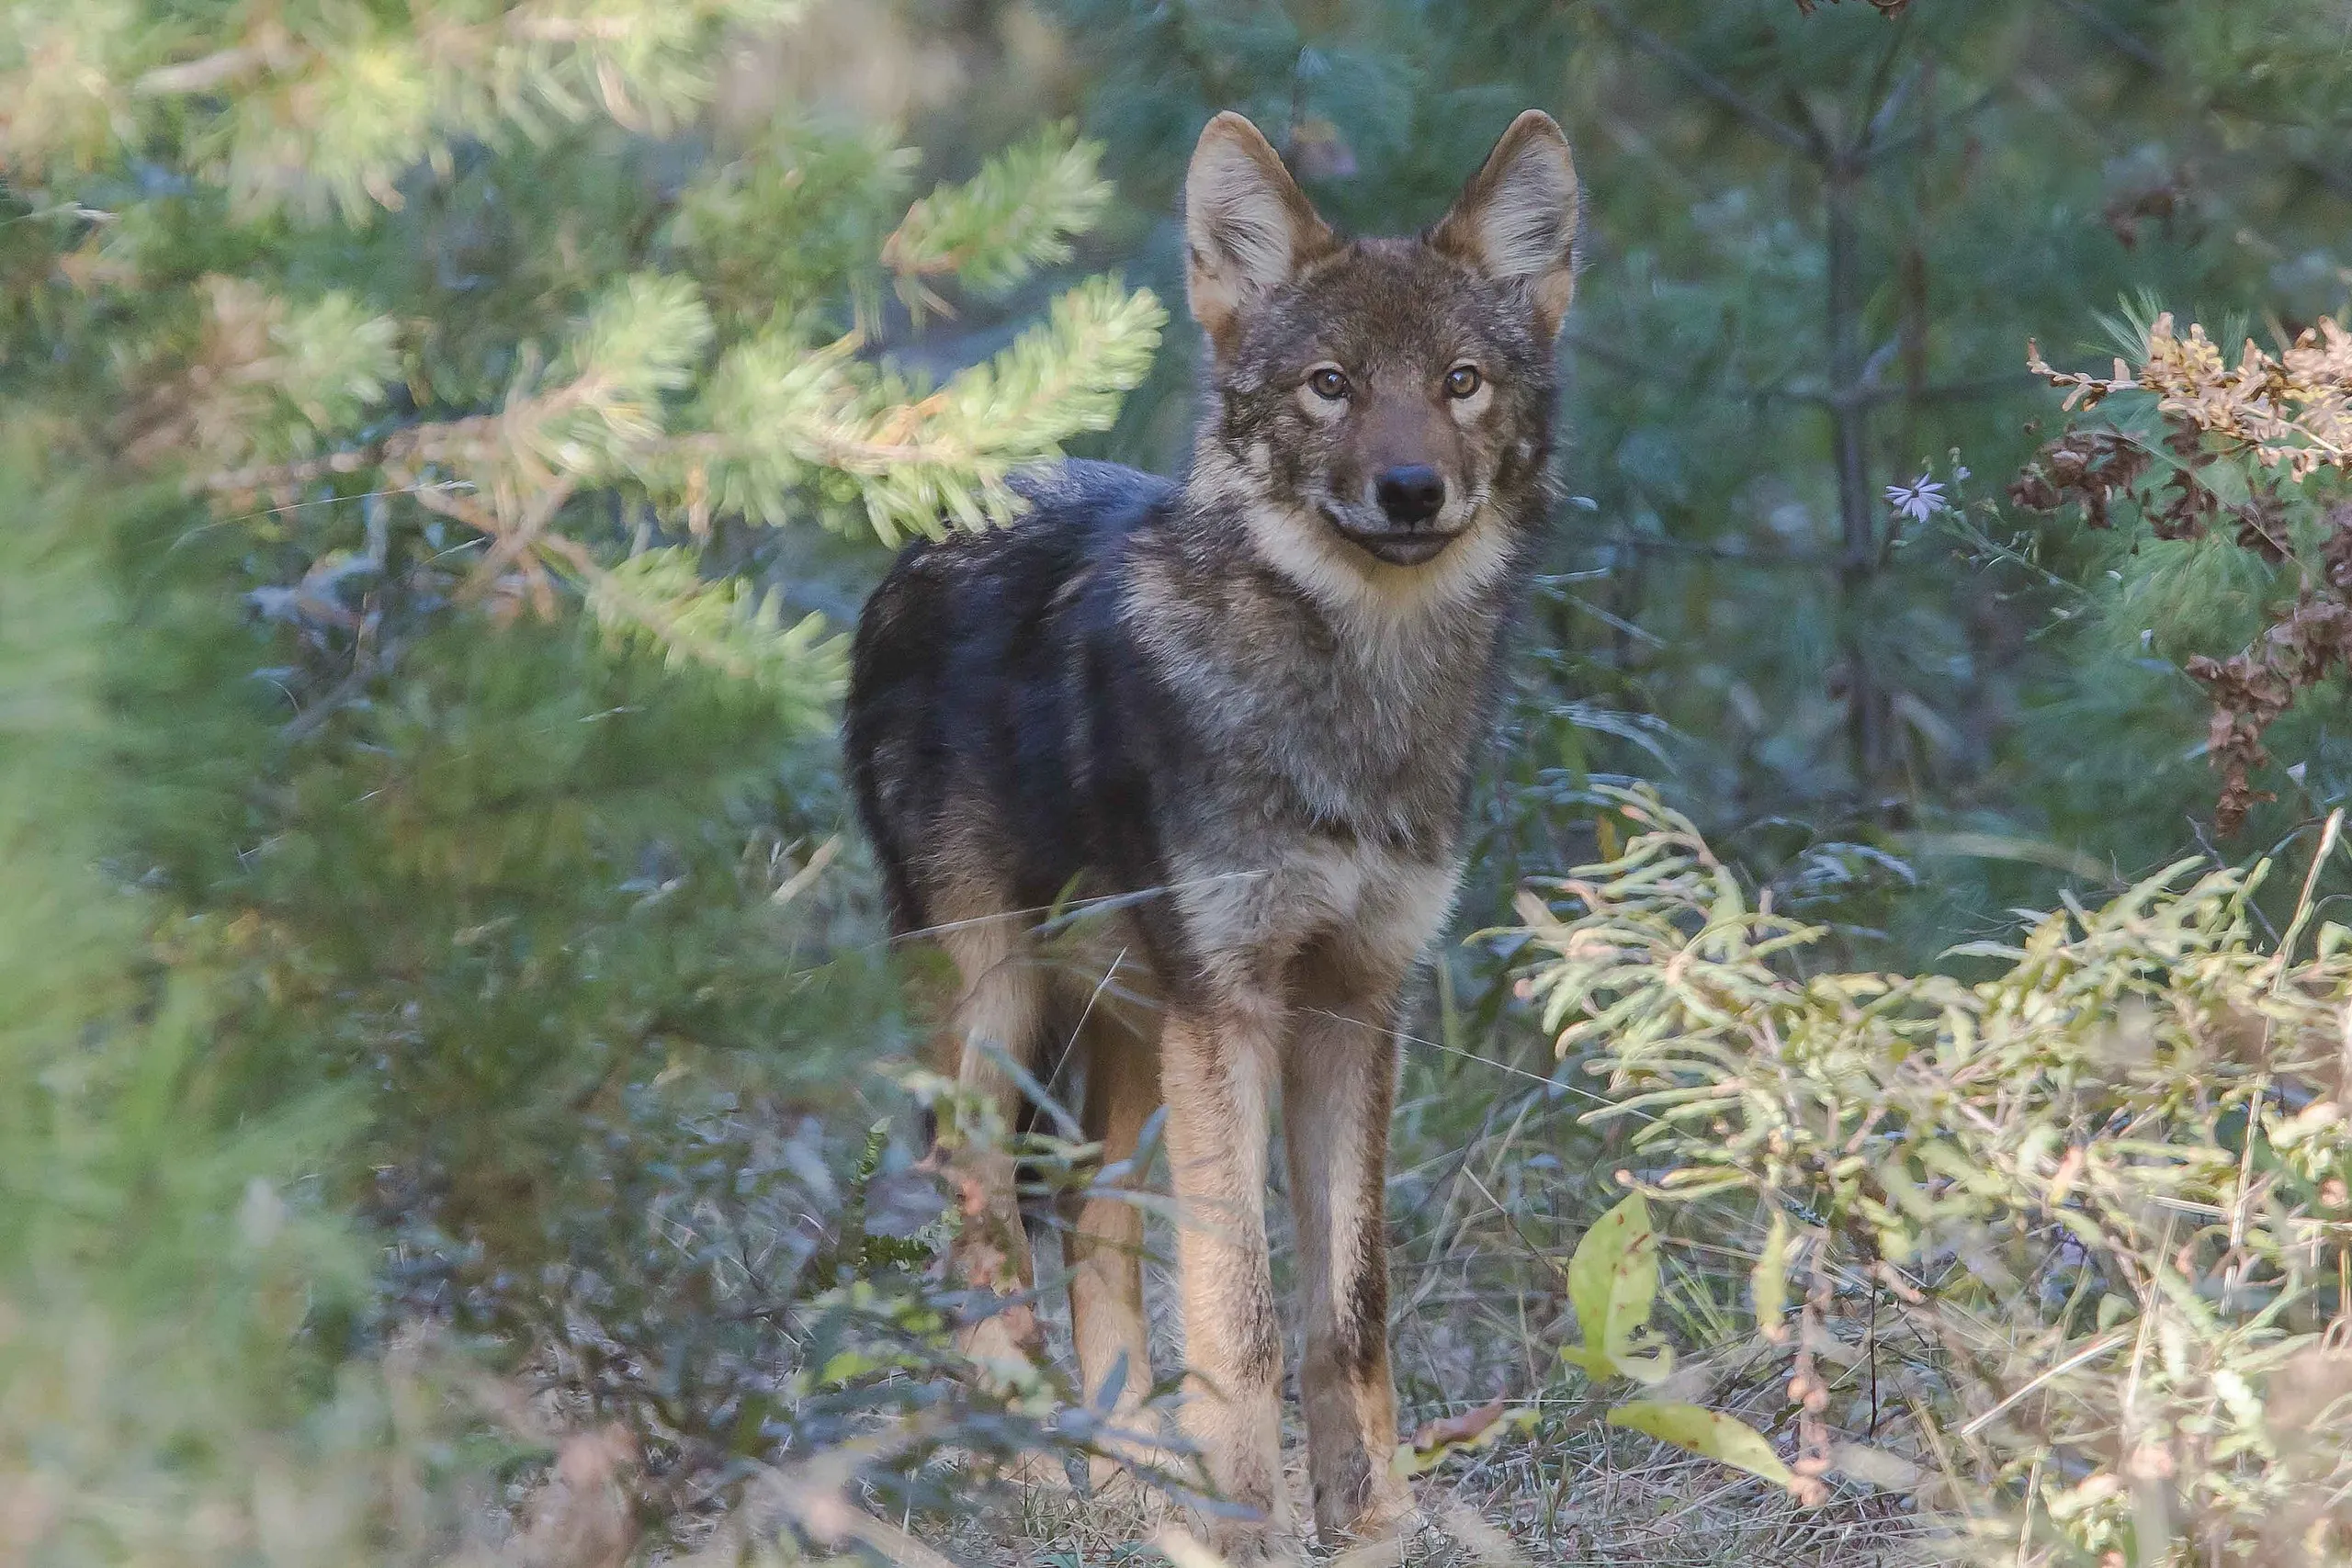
1478	1428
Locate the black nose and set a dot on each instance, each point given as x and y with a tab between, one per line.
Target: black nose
1409	495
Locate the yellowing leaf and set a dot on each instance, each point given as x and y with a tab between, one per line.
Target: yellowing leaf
1701	1431
1612	1282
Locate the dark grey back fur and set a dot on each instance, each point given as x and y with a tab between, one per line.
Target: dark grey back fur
1141	676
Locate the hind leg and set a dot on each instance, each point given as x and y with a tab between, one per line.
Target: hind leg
998	1018
1104	1242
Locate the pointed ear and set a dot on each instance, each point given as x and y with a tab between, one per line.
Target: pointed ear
1517	218
1248	228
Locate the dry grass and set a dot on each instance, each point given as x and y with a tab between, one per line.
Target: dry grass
1493	1185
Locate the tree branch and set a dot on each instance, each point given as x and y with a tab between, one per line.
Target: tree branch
2124	42
1753	115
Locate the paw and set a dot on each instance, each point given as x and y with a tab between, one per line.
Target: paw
1379	1511
1127	1503
1114	1476
1006	1348
1267	1533
1244	1543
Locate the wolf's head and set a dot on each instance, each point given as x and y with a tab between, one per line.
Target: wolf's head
1380	408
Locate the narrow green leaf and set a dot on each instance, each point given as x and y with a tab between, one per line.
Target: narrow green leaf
1770	1283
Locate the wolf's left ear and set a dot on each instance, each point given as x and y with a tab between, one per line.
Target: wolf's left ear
1248	227
1517	218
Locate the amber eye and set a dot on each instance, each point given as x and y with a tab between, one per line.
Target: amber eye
1463	380
1329	383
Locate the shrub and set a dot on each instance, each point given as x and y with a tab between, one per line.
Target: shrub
2084	1216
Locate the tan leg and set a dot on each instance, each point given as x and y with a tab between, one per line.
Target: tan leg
1339	1088
1217	1075
1105	1243
1000	1012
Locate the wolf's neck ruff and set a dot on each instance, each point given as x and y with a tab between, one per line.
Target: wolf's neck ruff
1347	693
1240	712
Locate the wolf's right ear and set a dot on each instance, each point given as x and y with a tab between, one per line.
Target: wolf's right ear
1248	227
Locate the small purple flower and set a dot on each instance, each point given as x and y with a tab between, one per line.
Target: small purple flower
1919	500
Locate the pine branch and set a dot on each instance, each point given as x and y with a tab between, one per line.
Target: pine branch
1016	215
661	599
1055	382
1748	111
268	377
796	218
787	423
328	114
2267	427
644	339
784	418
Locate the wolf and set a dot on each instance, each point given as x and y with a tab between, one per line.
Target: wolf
1242	709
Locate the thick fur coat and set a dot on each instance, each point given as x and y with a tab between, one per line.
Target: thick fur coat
1239	713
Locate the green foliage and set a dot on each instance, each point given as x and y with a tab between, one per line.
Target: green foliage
156	1254
2101	1190
635	386
1463	1434
1612	1282
323	112
2263	445
777	229
431	1013
1703	1431
384	942
728	626
1815	247
893	455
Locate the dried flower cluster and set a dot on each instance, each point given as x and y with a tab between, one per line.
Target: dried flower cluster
2311	640
2258	441
2293	409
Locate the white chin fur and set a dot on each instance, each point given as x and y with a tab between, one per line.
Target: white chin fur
1348	581
1344	580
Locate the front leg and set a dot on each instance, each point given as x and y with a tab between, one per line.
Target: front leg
1217	1073
1339	1088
